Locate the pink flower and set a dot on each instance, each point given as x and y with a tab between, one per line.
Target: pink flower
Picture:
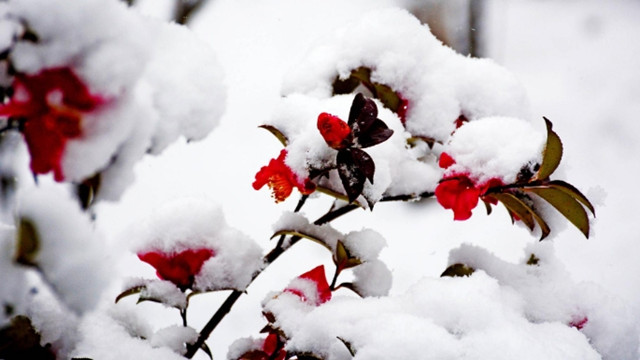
180	268
335	131
313	288
52	104
459	193
281	179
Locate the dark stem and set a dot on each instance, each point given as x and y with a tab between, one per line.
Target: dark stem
409	197
335	279
183	315
225	308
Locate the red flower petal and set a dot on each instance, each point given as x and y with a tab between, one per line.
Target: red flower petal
445	160
458	194
317	276
179	268
281	179
334	130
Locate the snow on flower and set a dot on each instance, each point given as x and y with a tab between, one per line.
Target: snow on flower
468	318
148	107
269	348
458	192
548	294
398	170
281	179
483	154
419	65
494	147
51	104
180	268
312	287
190	244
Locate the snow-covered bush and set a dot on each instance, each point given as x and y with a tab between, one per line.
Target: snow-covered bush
364	119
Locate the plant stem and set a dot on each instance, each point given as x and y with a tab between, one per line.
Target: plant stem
269	258
183	315
332	287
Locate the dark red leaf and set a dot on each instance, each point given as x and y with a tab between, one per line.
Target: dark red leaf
351	175
378	132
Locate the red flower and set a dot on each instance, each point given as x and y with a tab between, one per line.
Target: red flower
318	278
281	179
335	131
52	104
179	268
459	193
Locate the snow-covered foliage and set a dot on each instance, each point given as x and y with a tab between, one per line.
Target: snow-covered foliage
142	106
377	110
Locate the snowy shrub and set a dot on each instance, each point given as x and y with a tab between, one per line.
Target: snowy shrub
377	111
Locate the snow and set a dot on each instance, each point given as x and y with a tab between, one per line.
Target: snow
495	147
70	255
147	107
577	69
192	223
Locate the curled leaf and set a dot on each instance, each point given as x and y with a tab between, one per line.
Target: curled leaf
131	291
551	155
458	270
277	133
343	259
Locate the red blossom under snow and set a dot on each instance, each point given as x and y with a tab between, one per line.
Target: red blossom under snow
459	193
52	104
318	277
179	268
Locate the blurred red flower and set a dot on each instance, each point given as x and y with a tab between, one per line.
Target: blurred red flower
52	104
180	268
